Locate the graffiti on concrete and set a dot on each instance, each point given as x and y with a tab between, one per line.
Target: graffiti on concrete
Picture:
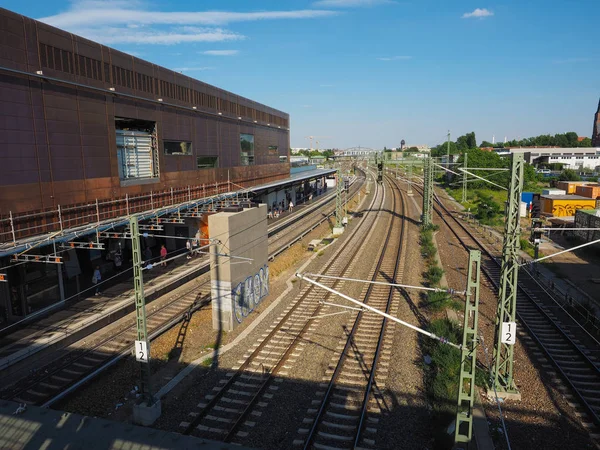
248	294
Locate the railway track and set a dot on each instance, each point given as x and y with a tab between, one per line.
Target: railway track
569	348
79	363
228	411
351	393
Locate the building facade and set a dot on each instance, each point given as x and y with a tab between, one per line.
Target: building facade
596	132
81	122
91	135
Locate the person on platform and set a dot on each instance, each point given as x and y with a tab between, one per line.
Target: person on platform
188	246
163	255
96	279
291	206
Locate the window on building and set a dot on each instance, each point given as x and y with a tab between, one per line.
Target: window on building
137	152
207	162
282	159
272	150
247	149
178	148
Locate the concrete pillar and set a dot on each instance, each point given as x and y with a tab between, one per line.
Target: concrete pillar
238	286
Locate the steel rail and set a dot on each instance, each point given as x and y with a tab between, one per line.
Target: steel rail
350	341
159	330
269	376
525	294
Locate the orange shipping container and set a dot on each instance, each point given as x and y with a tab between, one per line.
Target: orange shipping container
589	191
569	187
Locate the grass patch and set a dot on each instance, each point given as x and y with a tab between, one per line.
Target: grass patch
207	362
321	253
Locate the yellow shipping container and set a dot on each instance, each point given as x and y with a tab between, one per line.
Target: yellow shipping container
565	205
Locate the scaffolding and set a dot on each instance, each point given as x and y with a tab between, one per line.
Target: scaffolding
67	224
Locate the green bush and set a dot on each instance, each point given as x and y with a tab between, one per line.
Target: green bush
434	275
436	301
441	376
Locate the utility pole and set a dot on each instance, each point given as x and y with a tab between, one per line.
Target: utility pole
148	410
503	381
410	171
426	218
463	431
448	158
464	191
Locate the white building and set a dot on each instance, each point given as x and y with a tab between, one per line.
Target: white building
576	158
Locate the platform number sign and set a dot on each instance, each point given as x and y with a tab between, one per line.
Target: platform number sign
141	351
509	333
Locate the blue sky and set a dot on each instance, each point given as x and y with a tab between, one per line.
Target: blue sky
369	72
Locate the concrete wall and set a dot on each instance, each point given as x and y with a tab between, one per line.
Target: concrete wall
237	286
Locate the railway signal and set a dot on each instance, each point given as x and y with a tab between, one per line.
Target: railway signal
536	236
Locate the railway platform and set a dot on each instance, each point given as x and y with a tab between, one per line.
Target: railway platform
36	428
81	317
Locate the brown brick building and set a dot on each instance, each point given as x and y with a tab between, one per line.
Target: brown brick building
81	122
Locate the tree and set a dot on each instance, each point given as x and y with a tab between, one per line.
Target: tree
471	141
412	150
385	149
585	142
569	175
572	139
487	209
486	144
441	149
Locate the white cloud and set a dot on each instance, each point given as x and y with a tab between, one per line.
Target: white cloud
478	12
220	52
92	13
350	3
115	35
192	69
394	58
134	22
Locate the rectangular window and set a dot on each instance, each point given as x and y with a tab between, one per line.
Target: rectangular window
136	150
178	148
283	159
247	149
272	149
207	162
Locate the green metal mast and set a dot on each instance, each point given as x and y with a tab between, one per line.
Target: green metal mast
410	172
448	158
507	297
339	204
466	388
140	312
464	180
426	218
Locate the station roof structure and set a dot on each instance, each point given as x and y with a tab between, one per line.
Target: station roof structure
207	203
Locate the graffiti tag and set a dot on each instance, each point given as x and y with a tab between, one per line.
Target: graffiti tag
248	293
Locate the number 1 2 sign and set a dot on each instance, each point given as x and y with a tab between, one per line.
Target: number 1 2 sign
141	351
509	331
